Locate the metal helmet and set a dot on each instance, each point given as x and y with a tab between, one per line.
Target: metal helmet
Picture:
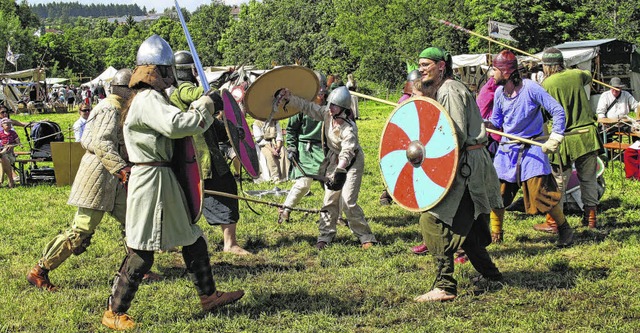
413	75
322	79
184	66
122	77
184	60
155	51
341	97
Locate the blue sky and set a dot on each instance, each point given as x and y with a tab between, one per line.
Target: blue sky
159	5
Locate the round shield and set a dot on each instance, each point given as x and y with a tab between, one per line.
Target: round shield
259	98
239	134
418	154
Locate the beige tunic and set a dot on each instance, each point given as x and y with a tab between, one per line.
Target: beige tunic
157	213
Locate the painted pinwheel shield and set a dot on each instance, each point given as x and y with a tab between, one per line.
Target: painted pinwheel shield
240	135
418	154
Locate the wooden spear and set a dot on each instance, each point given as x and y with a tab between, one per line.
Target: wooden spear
457	27
510	136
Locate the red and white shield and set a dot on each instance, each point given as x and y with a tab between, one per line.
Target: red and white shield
418	154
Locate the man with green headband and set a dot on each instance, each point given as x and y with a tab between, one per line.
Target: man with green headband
460	219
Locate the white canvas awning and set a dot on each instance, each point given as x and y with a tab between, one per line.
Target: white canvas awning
105	77
469	60
55	80
572	57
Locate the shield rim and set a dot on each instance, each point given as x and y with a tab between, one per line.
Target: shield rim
265	77
245	126
456	152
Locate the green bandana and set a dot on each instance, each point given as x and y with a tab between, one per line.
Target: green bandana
436	54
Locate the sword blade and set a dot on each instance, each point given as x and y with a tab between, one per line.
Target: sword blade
192	48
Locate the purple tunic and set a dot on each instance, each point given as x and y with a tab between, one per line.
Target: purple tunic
522	116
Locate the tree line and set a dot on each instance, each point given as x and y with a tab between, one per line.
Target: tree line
57	10
371	38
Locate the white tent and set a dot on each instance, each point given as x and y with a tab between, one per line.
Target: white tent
55	80
105	77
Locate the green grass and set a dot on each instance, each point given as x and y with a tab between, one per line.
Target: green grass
290	287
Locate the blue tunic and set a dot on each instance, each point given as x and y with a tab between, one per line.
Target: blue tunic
522	116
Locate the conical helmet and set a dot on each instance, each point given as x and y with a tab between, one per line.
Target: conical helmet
122	77
340	97
155	51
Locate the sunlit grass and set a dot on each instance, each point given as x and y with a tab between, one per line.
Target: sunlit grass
591	287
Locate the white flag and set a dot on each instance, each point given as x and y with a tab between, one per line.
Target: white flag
501	30
10	56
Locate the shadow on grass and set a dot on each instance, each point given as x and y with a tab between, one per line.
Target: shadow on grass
402	220
302	302
226	270
559	276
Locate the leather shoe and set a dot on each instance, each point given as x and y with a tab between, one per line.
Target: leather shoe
550	226
420	249
321	245
220	298
39	277
117	321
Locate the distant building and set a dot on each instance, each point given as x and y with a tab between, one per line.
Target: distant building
137	19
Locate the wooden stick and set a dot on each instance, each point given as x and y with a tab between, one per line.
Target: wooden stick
545	137
273	204
373	98
457	27
514	137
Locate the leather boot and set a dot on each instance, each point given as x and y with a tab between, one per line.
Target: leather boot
496	218
589	217
119	321
39	277
550	226
220	298
565	235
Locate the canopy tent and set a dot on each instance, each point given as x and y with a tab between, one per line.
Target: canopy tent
580	58
605	58
472	68
105	77
55	80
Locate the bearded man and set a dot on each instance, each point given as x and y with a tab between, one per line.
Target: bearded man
517	110
460	219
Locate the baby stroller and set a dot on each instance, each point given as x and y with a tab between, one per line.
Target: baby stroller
39	137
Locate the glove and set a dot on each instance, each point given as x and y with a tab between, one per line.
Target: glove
123	175
217	100
336	182
204	103
551	145
292	153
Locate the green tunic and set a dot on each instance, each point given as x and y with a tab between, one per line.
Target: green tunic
157	214
567	87
305	133
482	181
209	155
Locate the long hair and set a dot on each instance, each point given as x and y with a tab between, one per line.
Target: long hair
549	70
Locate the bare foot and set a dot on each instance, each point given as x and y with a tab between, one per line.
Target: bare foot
237	250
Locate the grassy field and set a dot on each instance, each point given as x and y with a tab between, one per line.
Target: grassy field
593	286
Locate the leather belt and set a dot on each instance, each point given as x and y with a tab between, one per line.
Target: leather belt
474	147
155	164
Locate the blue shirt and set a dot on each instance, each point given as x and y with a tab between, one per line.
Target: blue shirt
521	115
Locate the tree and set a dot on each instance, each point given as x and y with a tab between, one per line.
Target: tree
206	27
